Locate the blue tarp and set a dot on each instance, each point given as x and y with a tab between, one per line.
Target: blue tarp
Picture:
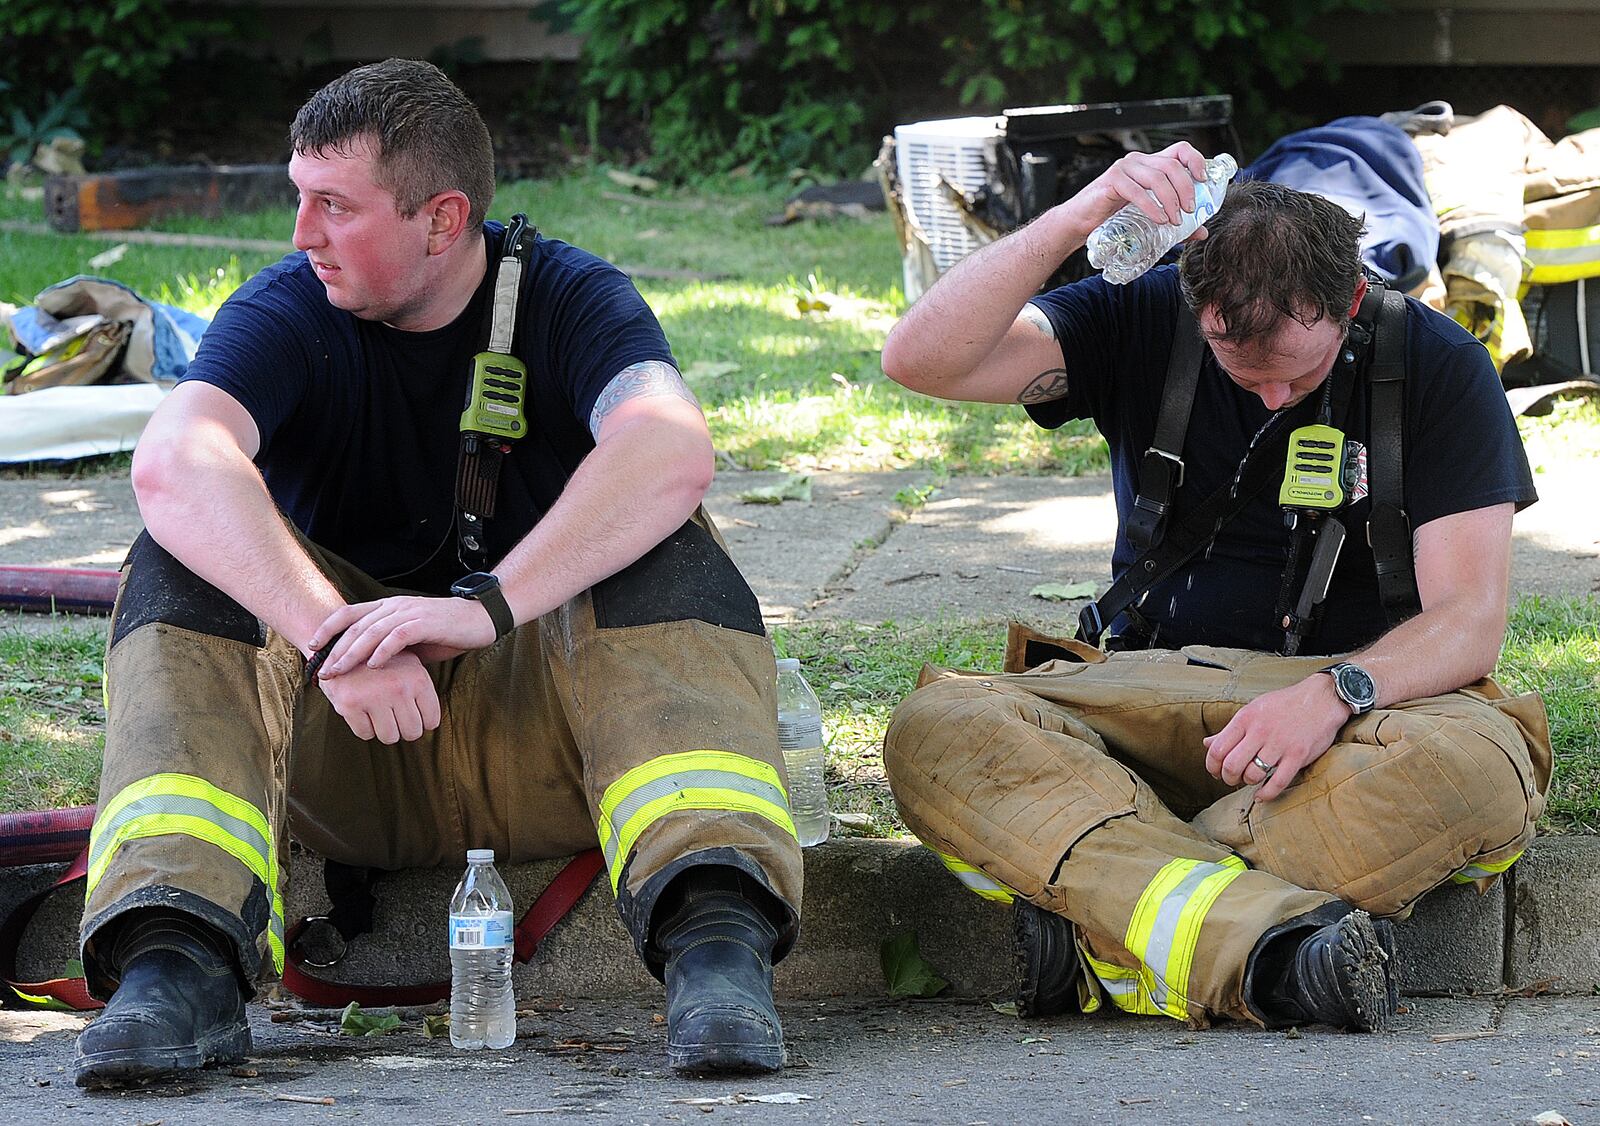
1370	168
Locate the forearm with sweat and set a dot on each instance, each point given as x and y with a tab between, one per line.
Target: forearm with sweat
231	534
628	495
960	320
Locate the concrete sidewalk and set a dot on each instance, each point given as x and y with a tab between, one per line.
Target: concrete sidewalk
855	552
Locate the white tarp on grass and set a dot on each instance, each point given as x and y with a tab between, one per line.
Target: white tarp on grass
73	422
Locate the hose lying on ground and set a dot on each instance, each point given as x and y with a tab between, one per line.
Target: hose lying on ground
61	590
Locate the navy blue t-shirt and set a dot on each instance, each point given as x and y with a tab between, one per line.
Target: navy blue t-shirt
1461	449
360	422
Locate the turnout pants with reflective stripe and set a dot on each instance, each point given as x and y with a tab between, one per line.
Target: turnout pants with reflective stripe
642	712
1082	788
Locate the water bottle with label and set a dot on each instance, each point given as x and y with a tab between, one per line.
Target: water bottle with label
800	737
1130	242
483	1010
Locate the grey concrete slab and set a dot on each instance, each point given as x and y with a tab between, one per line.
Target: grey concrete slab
979	546
790	552
1454	941
850	1062
1555	546
67	522
1555	919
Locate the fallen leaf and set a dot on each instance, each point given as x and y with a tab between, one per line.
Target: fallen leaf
1004	1008
791	488
1062	592
108	257
854	820
357	1023
436	1025
904	970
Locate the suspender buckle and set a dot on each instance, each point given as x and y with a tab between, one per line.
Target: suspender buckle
1090	627
1175	461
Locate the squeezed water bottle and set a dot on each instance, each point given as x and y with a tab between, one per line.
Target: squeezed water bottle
483	1010
800	738
1130	242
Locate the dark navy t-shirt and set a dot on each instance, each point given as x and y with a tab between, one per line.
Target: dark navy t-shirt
360	422
1462	452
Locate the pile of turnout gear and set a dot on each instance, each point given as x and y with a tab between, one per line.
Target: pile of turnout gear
90	361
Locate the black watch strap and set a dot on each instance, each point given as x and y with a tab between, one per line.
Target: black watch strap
484	589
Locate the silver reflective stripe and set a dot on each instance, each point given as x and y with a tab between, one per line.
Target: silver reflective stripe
685	780
1158	950
978	882
1563	255
174	805
506	283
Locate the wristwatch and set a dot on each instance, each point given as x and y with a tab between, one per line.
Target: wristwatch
484	588
1354	686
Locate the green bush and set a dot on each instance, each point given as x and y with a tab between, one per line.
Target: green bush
117	54
814	83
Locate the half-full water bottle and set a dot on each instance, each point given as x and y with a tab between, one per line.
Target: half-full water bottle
1130	242
483	1010
800	737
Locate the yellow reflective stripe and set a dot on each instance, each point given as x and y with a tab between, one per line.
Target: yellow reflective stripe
1165	927
1126	987
687	780
1478	871
182	804
976	880
1563	254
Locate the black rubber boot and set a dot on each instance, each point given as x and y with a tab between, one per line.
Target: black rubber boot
1334	965
178	1007
1047	957
718	946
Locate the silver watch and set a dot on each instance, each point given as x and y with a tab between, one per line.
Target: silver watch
1354	686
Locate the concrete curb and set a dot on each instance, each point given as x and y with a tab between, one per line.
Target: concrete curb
859	892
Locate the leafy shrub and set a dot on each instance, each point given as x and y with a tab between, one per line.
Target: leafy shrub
118	55
781	83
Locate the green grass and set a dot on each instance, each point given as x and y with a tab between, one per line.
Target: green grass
52	724
779	333
1553	647
1570	431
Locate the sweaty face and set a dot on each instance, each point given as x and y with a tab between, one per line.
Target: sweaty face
369	258
1280	369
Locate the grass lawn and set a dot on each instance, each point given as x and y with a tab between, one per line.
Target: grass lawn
779	334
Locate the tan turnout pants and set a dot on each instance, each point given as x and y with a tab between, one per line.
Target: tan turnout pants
658	737
1082	787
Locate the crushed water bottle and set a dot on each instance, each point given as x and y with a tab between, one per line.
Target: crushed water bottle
483	1010
800	737
1130	242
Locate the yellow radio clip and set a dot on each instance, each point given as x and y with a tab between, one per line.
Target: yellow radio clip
1313	474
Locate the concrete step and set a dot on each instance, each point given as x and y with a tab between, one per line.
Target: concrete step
860	892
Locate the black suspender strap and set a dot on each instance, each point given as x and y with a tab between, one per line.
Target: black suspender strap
1388	527
1161	470
1263	465
496	391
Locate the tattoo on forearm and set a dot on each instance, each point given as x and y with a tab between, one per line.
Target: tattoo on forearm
1033	315
1049	385
638	381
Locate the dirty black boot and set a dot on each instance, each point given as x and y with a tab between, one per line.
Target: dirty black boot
1047	958
718	945
1334	965
178	1007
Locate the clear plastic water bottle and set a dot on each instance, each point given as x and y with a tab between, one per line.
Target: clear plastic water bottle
800	737
483	1010
1130	242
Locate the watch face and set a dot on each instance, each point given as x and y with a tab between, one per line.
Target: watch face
1356	685
471	586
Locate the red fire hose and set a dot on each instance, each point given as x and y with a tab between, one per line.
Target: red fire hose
64	590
